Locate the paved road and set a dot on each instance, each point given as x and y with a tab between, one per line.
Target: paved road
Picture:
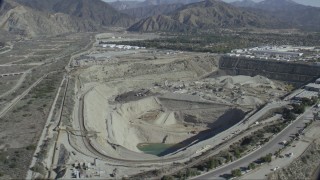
272	146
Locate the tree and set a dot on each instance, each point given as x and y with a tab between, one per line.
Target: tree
298	109
289	116
180	175
246	141
267	158
228	158
236	173
252	166
237	153
213	163
167	177
192	172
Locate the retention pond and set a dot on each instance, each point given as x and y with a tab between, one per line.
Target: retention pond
153	148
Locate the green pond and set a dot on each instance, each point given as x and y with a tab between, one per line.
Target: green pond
153	148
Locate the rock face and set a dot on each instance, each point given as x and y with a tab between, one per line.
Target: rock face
244	3
153	10
204	15
96	11
50	17
284	71
123	5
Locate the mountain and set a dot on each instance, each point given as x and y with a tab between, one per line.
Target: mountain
51	17
244	3
124	5
23	20
204	15
161	2
96	11
152	10
277	5
301	16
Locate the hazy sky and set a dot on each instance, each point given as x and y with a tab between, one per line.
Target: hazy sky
306	2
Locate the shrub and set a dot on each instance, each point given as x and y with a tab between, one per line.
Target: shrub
267	158
236	173
252	166
298	109
13	165
192	172
31	147
213	163
38	168
167	177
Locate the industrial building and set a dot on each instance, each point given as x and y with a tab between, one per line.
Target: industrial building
277	54
306	94
280	53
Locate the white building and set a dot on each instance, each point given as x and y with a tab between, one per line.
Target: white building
313	87
277	54
306	94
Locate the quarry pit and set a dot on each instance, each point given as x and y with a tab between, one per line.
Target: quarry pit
157	104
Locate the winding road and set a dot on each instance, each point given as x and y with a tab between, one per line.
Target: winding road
270	147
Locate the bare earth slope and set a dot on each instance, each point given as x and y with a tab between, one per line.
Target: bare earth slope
146	11
50	17
96	11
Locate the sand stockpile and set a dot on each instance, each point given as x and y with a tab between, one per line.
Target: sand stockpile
249	101
128	124
257	81
136	109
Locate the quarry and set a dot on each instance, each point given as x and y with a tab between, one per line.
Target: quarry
170	89
125	111
142	109
115	110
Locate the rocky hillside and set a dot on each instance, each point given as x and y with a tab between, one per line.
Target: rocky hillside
161	2
205	15
123	5
149	8
244	3
301	16
50	17
93	10
153	10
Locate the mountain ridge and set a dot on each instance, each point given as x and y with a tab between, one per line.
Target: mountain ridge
300	16
123	5
152	10
51	17
244	3
205	15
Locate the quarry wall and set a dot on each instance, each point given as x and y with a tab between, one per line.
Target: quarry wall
291	72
